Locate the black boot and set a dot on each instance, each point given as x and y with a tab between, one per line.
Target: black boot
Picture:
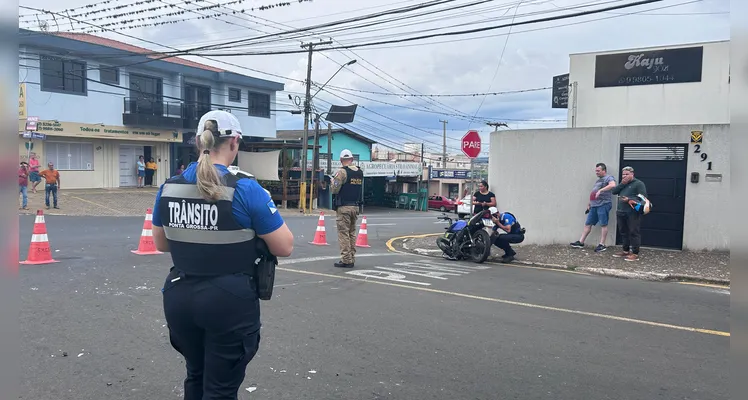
341	264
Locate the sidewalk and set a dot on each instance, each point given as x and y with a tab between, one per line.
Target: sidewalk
102	202
657	265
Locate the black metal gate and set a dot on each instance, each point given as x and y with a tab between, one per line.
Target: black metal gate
663	168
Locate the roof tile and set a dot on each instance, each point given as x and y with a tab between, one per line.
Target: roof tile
88	38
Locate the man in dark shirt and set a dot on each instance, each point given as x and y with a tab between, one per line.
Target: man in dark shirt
629	221
483	199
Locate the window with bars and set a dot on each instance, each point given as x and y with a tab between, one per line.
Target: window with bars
69	156
235	95
62	75
258	104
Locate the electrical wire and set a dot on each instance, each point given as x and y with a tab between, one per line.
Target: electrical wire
454	33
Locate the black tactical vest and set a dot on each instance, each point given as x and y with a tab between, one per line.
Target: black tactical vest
516	227
204	238
350	191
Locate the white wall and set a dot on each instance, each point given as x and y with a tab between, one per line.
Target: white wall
544	176
705	102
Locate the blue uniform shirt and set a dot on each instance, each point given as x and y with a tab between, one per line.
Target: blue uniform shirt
507	219
253	207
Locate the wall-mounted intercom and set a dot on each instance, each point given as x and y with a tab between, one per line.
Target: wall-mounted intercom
694	177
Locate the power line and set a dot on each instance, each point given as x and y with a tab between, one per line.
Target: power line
454	33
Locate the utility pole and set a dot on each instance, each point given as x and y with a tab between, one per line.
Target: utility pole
420	178
329	148
307	112
444	145
315	163
496	126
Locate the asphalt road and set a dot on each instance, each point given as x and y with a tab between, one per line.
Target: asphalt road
396	327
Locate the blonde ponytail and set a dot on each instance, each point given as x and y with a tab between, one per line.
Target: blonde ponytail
208	181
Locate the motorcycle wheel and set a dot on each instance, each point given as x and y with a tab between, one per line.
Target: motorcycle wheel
444	245
482	248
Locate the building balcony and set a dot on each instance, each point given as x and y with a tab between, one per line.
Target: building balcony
152	113
192	111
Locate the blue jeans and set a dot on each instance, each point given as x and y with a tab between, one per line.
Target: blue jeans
23	190
50	188
599	214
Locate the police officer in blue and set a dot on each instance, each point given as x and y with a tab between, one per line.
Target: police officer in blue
210	222
513	233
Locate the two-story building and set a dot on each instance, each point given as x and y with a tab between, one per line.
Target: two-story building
98	104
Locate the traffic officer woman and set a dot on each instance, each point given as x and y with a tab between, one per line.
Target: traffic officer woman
209	220
347	184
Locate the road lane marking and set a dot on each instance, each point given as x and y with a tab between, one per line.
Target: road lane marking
709	285
390	247
324	258
380	225
517	303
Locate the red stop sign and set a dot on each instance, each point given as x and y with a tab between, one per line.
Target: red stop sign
471	144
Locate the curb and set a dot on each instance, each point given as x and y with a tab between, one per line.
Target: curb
615	273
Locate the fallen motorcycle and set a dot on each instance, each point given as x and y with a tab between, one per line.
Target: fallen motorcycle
466	239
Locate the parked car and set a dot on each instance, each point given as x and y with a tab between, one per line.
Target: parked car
465	206
442	203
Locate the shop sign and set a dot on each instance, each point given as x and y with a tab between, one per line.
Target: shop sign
560	91
681	65
450	174
96	131
22	101
379	168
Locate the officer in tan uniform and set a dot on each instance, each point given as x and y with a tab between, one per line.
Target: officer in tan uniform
346	186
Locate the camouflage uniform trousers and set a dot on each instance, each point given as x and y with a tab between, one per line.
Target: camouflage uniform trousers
346	223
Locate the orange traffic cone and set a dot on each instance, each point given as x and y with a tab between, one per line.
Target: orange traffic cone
39	250
320	236
147	246
363	236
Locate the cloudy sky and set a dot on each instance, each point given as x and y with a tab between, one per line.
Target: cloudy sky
519	58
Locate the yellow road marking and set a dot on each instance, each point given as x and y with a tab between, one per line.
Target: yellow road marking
97	204
711	285
390	247
516	303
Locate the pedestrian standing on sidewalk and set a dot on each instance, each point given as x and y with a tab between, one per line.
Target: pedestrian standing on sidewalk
483	199
34	172
598	208
150	172
141	171
210	295
23	184
52	184
628	219
346	186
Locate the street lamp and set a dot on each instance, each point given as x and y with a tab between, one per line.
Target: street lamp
333	75
305	144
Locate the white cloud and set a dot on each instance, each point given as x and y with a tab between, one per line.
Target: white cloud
534	53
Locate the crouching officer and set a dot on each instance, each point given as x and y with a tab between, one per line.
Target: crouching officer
214	224
514	233
346	186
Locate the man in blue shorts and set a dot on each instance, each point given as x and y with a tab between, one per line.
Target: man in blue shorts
598	209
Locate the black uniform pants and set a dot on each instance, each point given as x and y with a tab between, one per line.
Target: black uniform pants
215	324
629	226
503	242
